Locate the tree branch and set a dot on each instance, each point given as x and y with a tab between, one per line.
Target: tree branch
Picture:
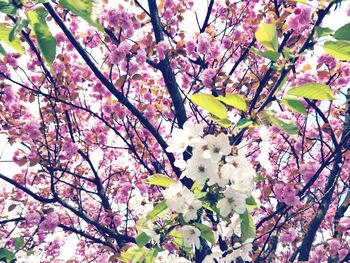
119	95
165	68
329	189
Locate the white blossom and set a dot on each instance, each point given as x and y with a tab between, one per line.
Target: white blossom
234	227
210	258
97	7
181	164
182	138
165	257
222	178
242	176
176	195
136	199
234	200
191	236
153	235
21	257
241	250
264	145
190	210
214	147
200	169
2	242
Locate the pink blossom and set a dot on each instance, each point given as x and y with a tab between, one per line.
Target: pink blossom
120	53
203	43
344	222
300	20
334	246
141	56
163	47
33	218
207	77
342	253
59	66
117	219
287	194
308	170
103	258
60	37
288	236
328	60
70	149
121	18
191	48
227	42
32	128
50	222
11	60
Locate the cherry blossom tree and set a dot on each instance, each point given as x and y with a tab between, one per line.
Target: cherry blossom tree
149	132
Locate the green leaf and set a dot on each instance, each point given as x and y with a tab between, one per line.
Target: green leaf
313	91
288	53
17	28
343	33
272	55
7	255
7	8
179	241
211	104
267	36
247	226
151	255
288	127
5	37
294	105
338	49
234	100
134	254
159	208
19	242
46	41
323	31
244	123
84	9
225	123
142	239
206	232
250	201
160	180
2	50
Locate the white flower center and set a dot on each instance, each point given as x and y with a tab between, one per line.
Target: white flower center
201	169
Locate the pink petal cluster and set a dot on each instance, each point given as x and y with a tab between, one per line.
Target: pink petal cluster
207	77
308	170
32	129
33	218
50	222
120	53
163	47
287	193
204	44
300	20
288	236
327	60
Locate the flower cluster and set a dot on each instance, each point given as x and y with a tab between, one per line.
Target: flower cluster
299	21
182	200
213	167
